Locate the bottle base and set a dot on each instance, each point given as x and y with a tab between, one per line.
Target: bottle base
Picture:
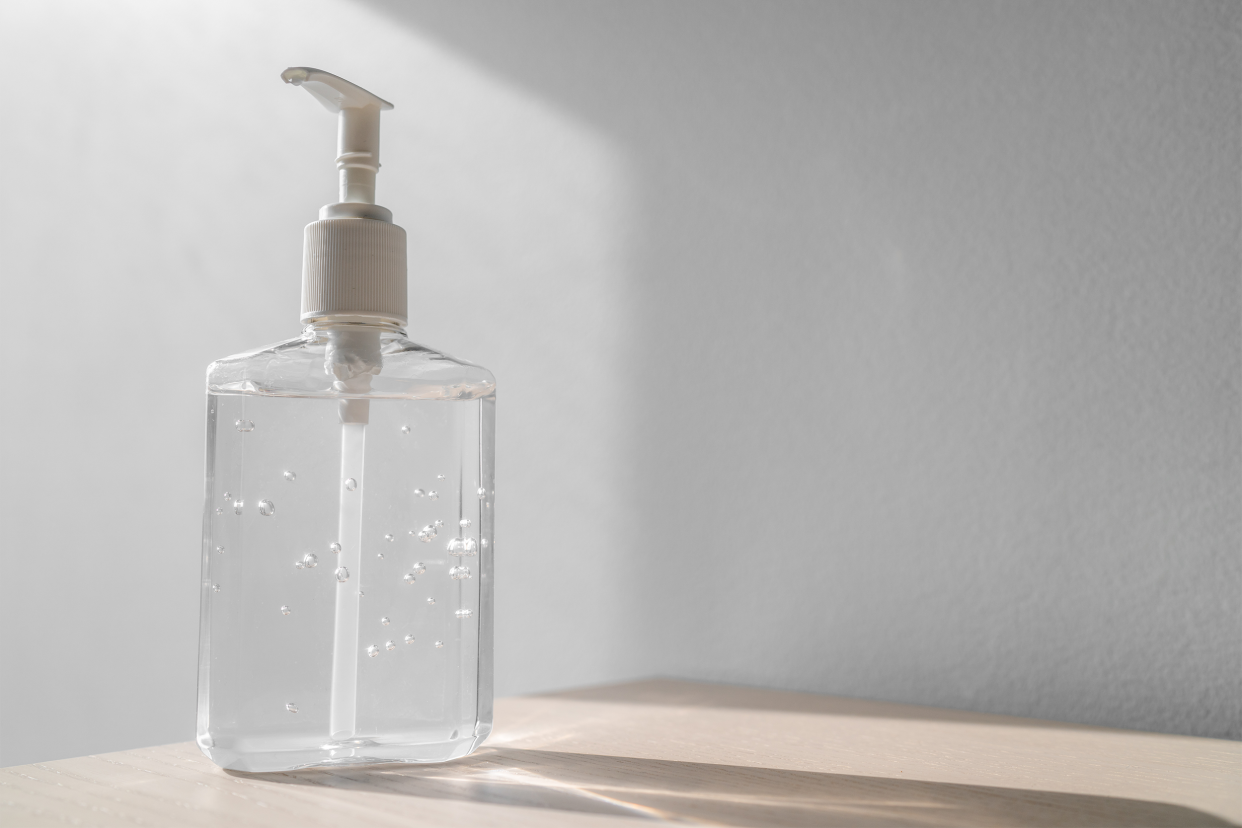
252	755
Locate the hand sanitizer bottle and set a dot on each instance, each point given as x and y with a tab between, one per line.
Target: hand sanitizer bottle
347	535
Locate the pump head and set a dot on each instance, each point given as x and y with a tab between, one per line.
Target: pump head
358	128
353	265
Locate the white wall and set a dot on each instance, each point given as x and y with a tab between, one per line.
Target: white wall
158	179
887	350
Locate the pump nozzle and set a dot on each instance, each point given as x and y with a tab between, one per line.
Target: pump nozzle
357	142
353	265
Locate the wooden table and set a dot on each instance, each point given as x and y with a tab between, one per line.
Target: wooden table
681	752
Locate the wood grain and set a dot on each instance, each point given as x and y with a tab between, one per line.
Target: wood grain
682	752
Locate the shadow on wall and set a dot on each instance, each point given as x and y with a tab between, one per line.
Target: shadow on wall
928	401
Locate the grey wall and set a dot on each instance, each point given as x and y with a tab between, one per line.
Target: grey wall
880	349
936	357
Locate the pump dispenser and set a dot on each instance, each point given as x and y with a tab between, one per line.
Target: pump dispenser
352	269
347	533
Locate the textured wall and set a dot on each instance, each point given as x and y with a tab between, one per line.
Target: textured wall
934	375
887	350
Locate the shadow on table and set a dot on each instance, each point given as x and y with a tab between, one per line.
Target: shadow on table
682	693
733	795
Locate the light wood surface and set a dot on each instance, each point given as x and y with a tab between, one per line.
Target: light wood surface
681	752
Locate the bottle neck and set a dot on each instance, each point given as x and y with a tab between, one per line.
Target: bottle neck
354	323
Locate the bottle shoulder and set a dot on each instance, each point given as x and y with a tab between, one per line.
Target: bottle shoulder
303	367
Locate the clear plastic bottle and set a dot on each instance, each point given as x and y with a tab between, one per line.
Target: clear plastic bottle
347	538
